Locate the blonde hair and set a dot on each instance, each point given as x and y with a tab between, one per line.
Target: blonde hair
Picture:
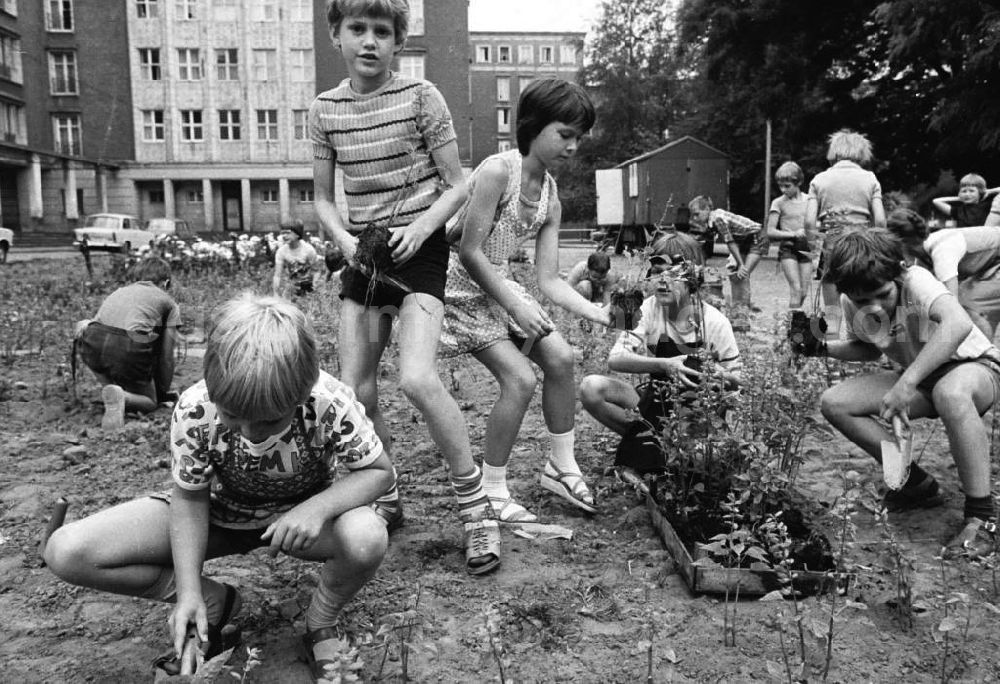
974	180
398	11
700	203
675	244
789	172
849	145
261	359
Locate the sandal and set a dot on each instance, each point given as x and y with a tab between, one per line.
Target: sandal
317	667
569	486
509	511
221	637
976	538
482	546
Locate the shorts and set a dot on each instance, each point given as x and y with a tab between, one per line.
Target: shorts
992	363
226	541
426	272
125	359
792	249
303	288
754	243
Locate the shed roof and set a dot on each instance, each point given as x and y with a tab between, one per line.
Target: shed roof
672	143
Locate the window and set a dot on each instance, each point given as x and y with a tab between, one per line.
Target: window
302	69
191	126
156	197
545	54
416	17
152	125
524	81
300	124
195	196
188	64
412	66
227	64
307	195
503	120
149	64
503	88
12	123
226	10
79	201
269	196
503	145
301	10
10	58
9	6
59	15
482	54
147	9
267	124
633	180
66	133
265	65
503	54
186	9
525	54
264	10
229	124
567	54
62	73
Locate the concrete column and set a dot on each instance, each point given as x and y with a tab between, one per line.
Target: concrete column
284	206
248	222
208	204
102	188
69	183
169	201
35	188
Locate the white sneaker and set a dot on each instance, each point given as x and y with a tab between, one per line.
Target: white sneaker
114	408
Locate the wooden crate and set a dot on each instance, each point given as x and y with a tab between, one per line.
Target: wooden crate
704	576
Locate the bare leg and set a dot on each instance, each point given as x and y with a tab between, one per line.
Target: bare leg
609	400
364	332
790	269
555	357
961	397
517	383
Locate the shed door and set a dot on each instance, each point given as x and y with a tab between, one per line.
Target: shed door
610	210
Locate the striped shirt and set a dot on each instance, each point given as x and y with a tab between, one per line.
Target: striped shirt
383	141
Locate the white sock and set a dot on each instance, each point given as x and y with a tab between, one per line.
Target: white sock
562	456
495	481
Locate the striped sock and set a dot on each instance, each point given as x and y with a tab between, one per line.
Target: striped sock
326	604
472	501
562	454
388	506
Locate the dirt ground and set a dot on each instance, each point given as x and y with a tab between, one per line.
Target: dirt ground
607	606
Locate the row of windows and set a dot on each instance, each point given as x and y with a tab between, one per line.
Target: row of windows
267	196
503	86
263	64
486	54
229	121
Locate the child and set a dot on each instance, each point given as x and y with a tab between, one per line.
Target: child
129	345
492	317
744	239
295	258
949	370
966	260
255	447
786	222
844	197
972	204
591	277
393	138
675	324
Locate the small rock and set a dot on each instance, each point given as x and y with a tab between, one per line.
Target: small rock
163	463
77	452
19	385
81	470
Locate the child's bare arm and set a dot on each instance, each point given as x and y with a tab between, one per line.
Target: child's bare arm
943	205
852	350
331	223
878	213
279	266
775	233
812	215
188	540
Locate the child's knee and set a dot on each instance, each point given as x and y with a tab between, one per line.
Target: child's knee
65	556
521	381
420	386
592	391
559	359
832	404
363	538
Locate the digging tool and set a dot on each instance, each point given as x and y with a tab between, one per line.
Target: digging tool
897	454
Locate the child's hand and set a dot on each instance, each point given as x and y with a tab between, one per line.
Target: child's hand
533	320
742	273
405	241
187	613
896	402
295	531
349	247
674	368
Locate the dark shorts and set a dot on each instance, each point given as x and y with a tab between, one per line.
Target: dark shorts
792	249
125	359
304	287
990	362
226	541
756	243
426	272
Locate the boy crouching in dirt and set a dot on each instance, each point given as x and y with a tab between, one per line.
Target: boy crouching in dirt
950	370
255	449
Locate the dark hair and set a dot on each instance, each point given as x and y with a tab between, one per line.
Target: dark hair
863	260
152	268
911	229
551	99
294	225
599	261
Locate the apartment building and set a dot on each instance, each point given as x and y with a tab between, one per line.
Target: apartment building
501	65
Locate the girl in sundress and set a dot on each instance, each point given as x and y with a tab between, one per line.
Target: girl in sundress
513	198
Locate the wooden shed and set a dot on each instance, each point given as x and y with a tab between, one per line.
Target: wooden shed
639	190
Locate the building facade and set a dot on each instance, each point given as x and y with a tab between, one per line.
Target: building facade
501	65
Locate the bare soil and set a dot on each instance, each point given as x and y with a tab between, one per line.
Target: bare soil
607	606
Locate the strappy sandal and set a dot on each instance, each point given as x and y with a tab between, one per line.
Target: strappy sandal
976	538
482	546
318	668
221	637
509	511
569	486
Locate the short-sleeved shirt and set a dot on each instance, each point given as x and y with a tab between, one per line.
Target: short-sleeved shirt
254	484
142	309
719	342
580	272
844	194
791	213
911	327
964	252
967	215
298	263
732	226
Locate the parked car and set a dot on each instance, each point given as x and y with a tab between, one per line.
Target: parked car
170	226
6	242
124	232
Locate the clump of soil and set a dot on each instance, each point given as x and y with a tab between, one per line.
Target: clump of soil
373	253
624	305
806	334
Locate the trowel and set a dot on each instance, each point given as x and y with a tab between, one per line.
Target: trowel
897	454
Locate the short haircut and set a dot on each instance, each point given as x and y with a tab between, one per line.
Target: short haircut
849	145
599	261
789	172
261	359
546	100
398	11
294	225
674	245
863	260
152	268
907	225
974	180
700	203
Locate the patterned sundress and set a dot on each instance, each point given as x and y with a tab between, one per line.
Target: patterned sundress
473	320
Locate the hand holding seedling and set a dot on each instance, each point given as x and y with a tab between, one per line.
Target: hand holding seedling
189	615
674	367
295	531
532	319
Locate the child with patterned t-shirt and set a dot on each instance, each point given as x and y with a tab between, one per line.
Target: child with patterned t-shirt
744	239
255	449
